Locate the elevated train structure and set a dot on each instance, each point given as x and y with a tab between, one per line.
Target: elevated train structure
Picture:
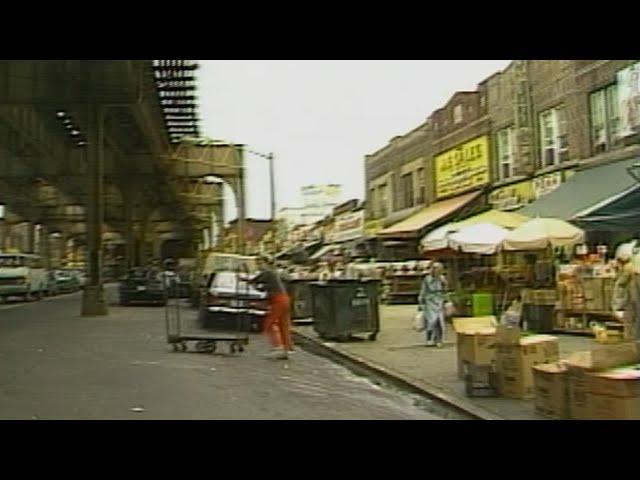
107	152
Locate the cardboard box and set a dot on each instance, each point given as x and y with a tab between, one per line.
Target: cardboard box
621	382
581	364
508	335
515	362
551	388
578	391
604	407
475	341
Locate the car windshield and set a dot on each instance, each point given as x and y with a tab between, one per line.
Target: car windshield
229	281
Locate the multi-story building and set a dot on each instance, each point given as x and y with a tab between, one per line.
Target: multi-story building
514	140
318	201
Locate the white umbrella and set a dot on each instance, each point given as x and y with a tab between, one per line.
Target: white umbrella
539	233
483	238
437	239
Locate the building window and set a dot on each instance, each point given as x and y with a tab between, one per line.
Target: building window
554	144
505	153
383	199
373	202
457	114
483	101
406	183
420	186
604	119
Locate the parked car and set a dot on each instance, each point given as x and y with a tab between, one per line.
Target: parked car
67	281
82	278
178	285
233	304
52	284
22	275
142	286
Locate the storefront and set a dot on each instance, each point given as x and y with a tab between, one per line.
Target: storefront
579	198
401	241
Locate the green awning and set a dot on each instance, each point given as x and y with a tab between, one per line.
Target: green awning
618	213
584	189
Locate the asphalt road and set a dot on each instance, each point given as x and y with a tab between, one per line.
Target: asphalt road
55	364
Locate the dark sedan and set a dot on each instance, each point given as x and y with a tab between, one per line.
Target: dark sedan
66	281
142	286
232	304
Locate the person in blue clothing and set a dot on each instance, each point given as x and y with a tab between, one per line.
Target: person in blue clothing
432	302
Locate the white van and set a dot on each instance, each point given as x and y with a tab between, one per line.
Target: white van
22	275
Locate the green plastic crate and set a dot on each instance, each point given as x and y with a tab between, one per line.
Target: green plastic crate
482	304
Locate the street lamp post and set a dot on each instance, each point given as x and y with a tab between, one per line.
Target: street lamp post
270	158
3	233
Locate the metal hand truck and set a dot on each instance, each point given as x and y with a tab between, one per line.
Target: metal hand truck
205	342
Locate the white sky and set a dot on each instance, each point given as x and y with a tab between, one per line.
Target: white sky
321	117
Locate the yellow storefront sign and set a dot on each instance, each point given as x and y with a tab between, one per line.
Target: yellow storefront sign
512	196
463	168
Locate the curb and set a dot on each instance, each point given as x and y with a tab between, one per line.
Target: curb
467	409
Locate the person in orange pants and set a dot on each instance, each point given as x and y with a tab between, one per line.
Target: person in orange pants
277	323
278	319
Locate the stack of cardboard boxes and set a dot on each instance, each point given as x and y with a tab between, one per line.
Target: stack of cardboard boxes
476	354
551	390
515	358
591	385
604	383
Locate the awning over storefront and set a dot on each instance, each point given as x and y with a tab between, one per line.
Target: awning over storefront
618	213
323	251
584	189
412	226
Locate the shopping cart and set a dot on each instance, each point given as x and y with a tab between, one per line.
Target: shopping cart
204	341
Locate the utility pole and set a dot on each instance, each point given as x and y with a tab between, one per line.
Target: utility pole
272	186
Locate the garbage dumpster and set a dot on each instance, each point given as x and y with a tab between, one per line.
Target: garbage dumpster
300	295
342	308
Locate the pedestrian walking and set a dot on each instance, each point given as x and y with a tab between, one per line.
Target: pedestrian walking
277	324
432	303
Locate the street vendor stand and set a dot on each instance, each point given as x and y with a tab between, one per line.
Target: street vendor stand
470	251
583	288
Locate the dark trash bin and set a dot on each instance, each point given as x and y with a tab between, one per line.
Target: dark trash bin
342	308
538	318
300	295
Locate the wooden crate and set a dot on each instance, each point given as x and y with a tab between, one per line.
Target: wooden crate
480	380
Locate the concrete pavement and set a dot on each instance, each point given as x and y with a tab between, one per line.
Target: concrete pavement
400	352
55	364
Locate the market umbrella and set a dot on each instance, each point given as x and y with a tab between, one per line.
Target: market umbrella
496	217
437	239
541	233
482	238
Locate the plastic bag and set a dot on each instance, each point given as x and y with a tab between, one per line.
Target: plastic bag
418	322
449	309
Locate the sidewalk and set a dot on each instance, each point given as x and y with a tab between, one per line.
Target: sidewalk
400	352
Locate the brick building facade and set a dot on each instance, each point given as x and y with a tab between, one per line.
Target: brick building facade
542	119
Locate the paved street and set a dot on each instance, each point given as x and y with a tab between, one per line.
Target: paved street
55	364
